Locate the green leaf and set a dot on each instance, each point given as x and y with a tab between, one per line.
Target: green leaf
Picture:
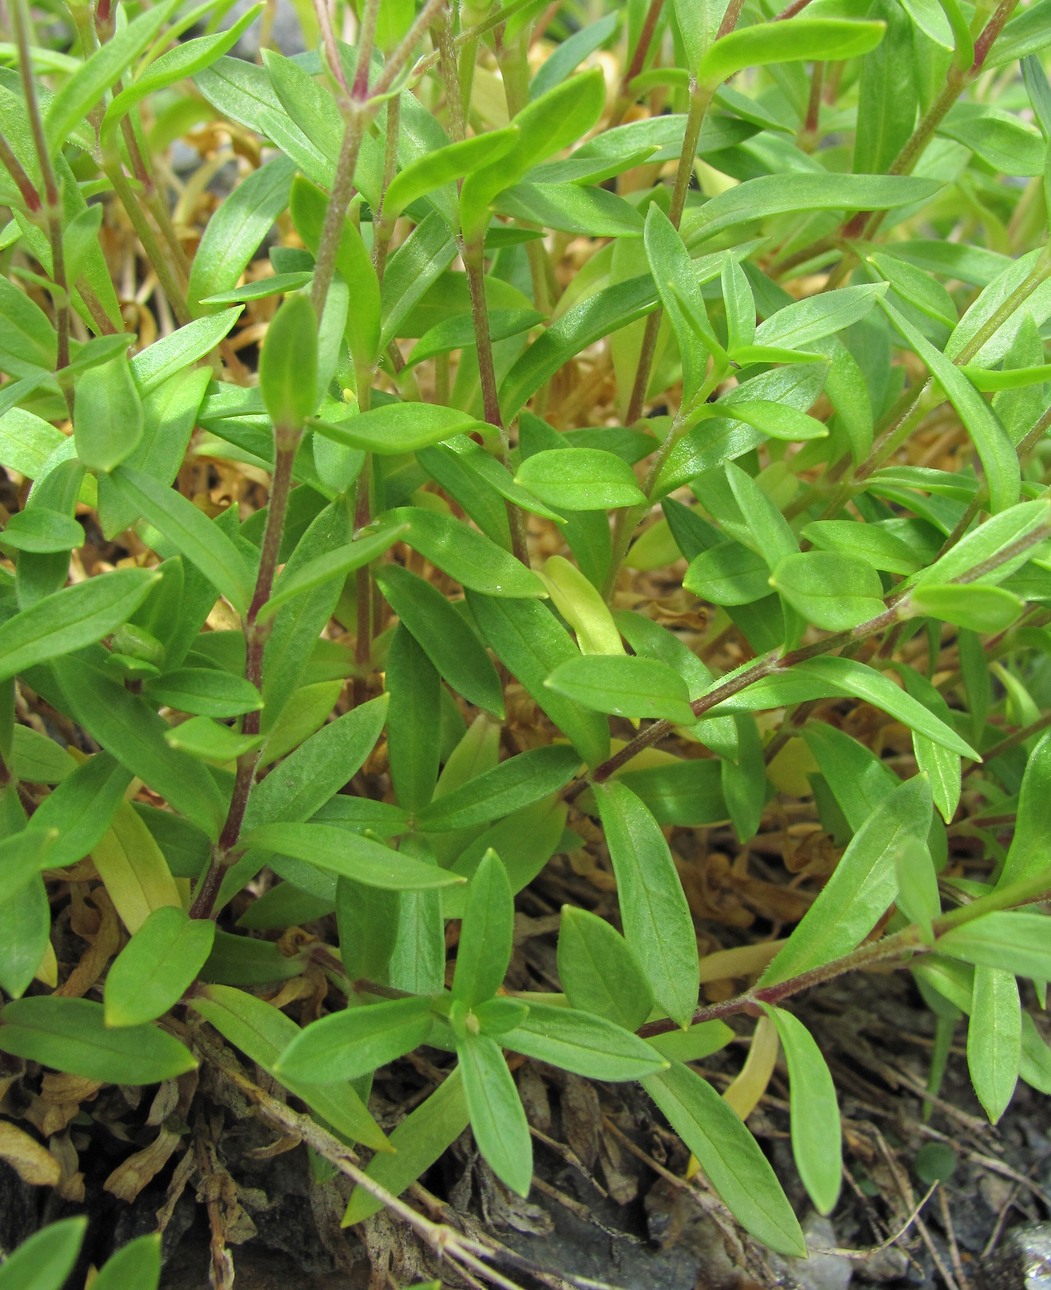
817	1145
599	972
995	450
498	1120
825	39
472	559
184	60
728	574
1003	142
332	567
356	1041
624	685
340	851
778	420
570	208
79	811
70	1035
583	1043
126	726
1013	940
729	1155
417	1143
397	428
994	1039
695	1043
237	228
783	193
486	933
288	364
36	759
819	678
458	332
192	534
41	530
863	884
444	637
578	327
136	1264
160	961
1027	854
545	126
204	691
887	92
579	602
657	923
72	618
211	741
309	207
262	1033
166	357
989	544
580	479
980	609
434	169
98	74
677	284
413	721
513	784
44	1261
109	419
834	592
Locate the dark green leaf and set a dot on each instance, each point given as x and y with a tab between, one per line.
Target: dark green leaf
340	851
497	1118
625	686
599	972
515	783
288	364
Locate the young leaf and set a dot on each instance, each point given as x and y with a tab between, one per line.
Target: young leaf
134	870
804	39
581	605
729	1155
160	961
485	935
434	169
1012	940
356	1041
816	1133
70	1035
861	887
497	1117
657	922
599	972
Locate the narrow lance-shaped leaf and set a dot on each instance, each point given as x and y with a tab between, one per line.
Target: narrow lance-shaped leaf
729	1155
69	619
485	935
657	922
160	961
995	449
994	1038
816	1132
861	887
356	1041
822	39
498	1119
577	1041
288	364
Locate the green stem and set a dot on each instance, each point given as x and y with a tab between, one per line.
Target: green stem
154	253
